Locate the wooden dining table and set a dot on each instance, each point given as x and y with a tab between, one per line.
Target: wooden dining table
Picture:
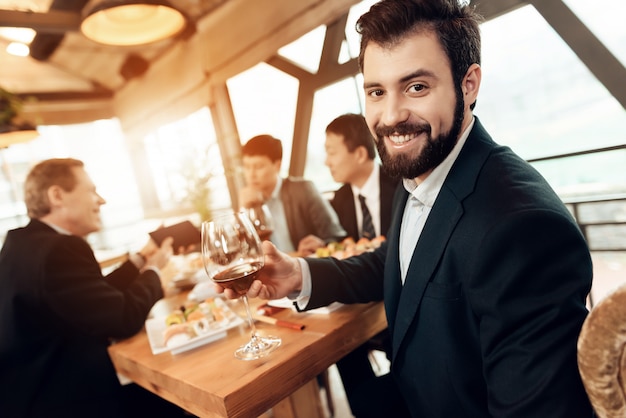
209	381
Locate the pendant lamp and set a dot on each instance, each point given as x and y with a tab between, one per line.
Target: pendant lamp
131	22
16	134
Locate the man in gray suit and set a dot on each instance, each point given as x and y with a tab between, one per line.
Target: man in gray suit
484	273
303	219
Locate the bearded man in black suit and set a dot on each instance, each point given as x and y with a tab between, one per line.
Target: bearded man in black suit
485	273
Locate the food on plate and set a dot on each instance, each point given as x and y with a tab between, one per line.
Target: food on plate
176	317
177	334
194	319
348	247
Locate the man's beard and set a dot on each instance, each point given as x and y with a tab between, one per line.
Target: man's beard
435	149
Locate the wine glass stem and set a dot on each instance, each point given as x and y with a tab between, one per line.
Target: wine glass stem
249	314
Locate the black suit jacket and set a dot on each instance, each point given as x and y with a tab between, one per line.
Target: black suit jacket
57	314
343	203
487	321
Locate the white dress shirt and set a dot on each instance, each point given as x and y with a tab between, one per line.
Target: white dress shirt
280	237
415	215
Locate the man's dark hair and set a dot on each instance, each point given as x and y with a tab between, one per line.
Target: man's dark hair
456	25
264	145
355	133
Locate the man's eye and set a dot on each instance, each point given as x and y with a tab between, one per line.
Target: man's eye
375	93
416	88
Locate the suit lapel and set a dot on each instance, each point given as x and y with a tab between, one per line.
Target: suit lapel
403	302
429	250
387	189
392	282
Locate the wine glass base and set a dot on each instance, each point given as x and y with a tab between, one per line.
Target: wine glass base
257	347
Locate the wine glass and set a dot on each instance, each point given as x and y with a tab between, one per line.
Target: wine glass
262	220
233	257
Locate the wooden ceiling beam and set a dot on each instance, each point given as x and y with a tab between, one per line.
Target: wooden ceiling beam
53	21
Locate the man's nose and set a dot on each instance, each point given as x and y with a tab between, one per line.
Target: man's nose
395	110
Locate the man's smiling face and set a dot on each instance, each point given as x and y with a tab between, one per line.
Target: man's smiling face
413	108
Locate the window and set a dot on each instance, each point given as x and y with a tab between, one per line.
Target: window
264	101
544	102
326	107
185	162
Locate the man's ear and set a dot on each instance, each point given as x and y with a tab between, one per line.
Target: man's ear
361	154
471	84
55	195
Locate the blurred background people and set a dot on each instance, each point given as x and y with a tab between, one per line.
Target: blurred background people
57	311
303	219
366	195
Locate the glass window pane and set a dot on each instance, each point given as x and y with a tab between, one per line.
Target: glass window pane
605	18
98	144
264	101
542	101
306	50
586	175
353	38
186	165
328	103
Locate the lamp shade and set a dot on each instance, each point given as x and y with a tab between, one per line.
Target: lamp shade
14	134
126	23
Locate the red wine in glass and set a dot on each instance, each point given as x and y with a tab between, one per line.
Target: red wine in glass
233	256
265	234
239	278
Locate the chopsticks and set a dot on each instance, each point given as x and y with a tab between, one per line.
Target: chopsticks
278	322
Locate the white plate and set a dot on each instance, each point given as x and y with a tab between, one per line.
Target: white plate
156	326
202	291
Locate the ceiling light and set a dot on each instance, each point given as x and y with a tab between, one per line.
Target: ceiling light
133	22
18	49
23	35
11	135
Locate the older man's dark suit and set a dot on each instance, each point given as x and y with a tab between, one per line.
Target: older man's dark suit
57	313
343	203
487	321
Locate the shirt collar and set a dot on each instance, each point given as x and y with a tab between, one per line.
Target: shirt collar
57	228
276	192
427	191
371	187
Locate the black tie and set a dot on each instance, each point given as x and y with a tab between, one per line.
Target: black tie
368	227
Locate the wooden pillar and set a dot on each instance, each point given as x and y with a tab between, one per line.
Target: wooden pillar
141	168
227	139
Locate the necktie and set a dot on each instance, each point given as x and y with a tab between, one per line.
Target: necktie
367	231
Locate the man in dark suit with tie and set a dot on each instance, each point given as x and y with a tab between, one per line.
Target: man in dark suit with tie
363	204
57	311
350	157
484	273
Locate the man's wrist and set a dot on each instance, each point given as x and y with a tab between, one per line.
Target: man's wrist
138	259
